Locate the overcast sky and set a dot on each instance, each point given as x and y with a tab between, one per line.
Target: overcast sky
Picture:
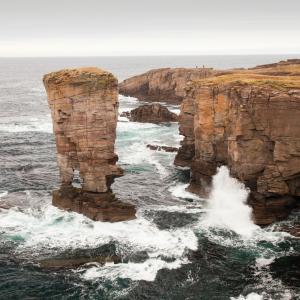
152	27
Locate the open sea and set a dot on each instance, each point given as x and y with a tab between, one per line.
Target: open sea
179	247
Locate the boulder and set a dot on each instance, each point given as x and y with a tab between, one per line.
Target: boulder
151	113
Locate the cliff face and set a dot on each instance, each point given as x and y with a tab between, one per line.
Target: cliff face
84	109
186	152
166	84
251	123
152	113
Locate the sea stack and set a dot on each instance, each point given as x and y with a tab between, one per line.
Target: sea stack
84	109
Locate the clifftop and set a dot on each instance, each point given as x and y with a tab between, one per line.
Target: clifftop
93	78
277	76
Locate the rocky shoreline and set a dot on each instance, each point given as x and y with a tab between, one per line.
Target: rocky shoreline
247	119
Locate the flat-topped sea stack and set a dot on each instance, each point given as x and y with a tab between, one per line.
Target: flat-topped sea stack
84	109
250	121
167	84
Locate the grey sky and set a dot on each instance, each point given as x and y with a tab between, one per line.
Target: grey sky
137	27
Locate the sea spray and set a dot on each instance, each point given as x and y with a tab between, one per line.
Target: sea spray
227	206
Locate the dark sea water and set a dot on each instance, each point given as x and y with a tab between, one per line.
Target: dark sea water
179	247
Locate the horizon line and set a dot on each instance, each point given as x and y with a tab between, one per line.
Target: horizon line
149	55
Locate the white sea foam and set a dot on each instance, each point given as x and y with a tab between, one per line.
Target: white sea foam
227	206
251	296
51	228
3	194
134	271
180	191
138	154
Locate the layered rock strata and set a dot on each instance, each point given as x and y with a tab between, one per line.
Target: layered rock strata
251	123
84	109
152	113
167	84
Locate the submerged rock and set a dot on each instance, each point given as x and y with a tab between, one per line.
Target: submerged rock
84	109
162	148
152	113
74	258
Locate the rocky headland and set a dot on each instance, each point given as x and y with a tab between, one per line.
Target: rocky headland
167	84
247	119
250	121
151	113
84	109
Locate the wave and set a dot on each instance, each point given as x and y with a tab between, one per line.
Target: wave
134	271
3	194
180	191
251	296
226	205
52	228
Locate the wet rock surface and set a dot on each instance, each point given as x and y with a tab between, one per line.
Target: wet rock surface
162	148
96	206
151	113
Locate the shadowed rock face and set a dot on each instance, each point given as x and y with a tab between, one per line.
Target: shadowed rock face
152	113
84	109
251	123
166	84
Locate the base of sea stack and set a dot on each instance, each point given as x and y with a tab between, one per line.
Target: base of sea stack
96	206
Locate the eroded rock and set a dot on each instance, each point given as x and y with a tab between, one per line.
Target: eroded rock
167	84
151	113
84	109
251	123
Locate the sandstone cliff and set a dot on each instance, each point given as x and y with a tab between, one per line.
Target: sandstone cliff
84	109
166	84
152	113
251	123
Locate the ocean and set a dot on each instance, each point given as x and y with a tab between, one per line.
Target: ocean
179	247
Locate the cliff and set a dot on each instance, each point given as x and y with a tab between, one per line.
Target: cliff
84	109
251	123
167	84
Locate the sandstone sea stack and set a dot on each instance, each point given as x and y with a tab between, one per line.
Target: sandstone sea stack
84	109
251	123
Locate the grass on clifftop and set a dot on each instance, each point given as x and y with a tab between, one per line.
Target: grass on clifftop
280	77
276	82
